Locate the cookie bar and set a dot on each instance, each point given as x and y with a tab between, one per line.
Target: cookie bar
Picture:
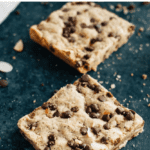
81	116
82	34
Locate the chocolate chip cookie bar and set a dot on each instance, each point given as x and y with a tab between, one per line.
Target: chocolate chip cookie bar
81	116
82	34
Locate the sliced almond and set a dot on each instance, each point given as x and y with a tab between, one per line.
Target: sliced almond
5	67
19	46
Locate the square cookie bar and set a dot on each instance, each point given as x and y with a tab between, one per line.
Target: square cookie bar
82	34
81	116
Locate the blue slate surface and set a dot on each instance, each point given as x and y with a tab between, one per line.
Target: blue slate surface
35	65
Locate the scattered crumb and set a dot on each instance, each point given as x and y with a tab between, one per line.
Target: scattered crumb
130	96
106	82
42	84
139	34
145	3
17	12
14	57
131	7
112	86
149	105
141	91
141	29
118	7
148	95
34	101
101	82
112	7
125	10
124	100
119	76
19	46
144	84
144	76
98	76
147	44
132	74
115	73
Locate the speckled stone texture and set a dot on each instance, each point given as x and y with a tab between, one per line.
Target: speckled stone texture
35	65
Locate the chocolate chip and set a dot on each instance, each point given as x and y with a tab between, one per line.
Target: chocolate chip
83	130
112	18
94	115
78	13
131	28
72	20
66	32
85	10
106	126
78	64
119	110
52	107
91	86
96	40
65	9
3	83
83	25
72	29
45	105
97	88
97	26
96	130
104	140
82	146
66	114
52	48
79	89
71	39
90	49
129	115
75	109
92	20
94	107
101	100
88	109
106	117
109	94
111	34
56	114
87	148
131	7
87	56
68	24
84	78
72	144
104	23
51	139
47	148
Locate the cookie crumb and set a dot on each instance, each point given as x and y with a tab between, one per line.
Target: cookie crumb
14	57
34	101
132	74
144	84
125	10
148	95
113	86
17	12
149	105
141	29
144	76
19	46
42	84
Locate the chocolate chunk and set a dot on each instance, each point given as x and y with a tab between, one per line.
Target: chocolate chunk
104	140
119	110
72	20
84	78
87	148
82	146
51	139
104	23
72	29
109	94
83	25
92	20
91	86
52	107
133	112
88	109
79	89
83	130
78	64
101	100
111	34
65	9
47	148
94	115
78	13
97	26
112	18
131	28
75	109
106	117
66	32
71	39
56	114
97	88
68	24
131	7
85	10
129	115
96	130
87	56
117	141
72	144
66	114
94	107
45	105
3	83
17	12
90	49
106	126
52	48
96	40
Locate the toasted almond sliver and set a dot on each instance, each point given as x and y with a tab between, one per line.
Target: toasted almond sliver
5	67
19	46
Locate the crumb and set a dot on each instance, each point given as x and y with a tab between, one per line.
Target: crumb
132	74
19	46
141	91
130	96
115	73
34	101
131	7
112	7
145	3
147	44
106	82
42	84
17	12
113	86
98	72
101	82
125	10
118	7
144	84
139	33
148	95
119	58
141	29
14	57
149	105
118	76
98	76
144	76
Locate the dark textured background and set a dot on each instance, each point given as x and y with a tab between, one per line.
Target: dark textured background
35	65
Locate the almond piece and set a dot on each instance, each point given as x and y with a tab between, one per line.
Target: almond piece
19	46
